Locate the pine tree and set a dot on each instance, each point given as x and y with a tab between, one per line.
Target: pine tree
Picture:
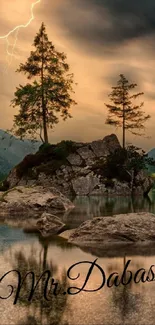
123	112
50	93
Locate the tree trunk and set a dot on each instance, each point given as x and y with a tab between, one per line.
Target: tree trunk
123	120
123	134
44	125
44	262
43	101
123	127
132	178
45	257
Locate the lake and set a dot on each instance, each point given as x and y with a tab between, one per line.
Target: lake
130	304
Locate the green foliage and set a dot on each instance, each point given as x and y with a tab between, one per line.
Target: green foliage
49	93
63	149
123	112
114	167
44	147
58	151
109	183
138	159
123	162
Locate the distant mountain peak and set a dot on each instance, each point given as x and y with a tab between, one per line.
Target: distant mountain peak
13	150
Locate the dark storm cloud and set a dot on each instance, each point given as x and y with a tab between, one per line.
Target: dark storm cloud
108	22
133	74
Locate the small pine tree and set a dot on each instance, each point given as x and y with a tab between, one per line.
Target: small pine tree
123	113
50	92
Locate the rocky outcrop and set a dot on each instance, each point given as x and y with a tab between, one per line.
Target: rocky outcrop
119	229
78	169
143	183
49	225
84	185
102	148
31	202
75	160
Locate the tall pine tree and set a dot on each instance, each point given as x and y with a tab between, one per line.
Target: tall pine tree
123	112
49	95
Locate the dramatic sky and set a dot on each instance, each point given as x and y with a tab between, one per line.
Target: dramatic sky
102	39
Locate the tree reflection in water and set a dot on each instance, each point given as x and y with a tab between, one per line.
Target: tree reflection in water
89	207
125	299
40	311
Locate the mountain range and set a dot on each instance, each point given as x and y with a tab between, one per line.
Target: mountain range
151	153
13	150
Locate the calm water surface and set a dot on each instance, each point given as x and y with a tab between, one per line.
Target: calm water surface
131	304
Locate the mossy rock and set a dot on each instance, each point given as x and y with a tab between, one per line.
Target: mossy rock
2	198
44	147
48	157
63	149
28	162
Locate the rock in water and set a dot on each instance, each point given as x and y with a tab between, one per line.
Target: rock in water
49	224
32	202
118	229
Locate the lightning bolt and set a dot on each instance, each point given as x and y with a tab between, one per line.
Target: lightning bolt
10	53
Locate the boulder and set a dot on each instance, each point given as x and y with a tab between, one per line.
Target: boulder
85	185
75	160
49	224
33	201
102	148
87	155
143	183
119	229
